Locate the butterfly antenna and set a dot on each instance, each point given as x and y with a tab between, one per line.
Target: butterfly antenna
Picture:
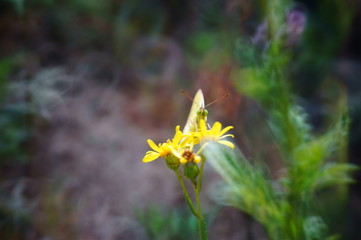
218	99
187	95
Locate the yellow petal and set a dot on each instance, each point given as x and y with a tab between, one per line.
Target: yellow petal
178	135
227	135
217	126
175	152
226	143
225	130
153	146
150	156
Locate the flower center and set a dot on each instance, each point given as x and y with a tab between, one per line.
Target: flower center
188	155
164	151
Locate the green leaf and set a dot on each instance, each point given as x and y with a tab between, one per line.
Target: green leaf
314	228
334	173
246	187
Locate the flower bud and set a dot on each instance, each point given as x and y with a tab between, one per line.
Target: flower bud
172	161
191	171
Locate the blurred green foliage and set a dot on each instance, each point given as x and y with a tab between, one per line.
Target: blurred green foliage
282	205
178	224
285	204
14	120
15	132
14	212
7	65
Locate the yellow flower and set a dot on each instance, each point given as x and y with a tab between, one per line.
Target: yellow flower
171	151
162	150
216	133
182	148
186	155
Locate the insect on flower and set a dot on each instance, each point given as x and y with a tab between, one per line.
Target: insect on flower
198	111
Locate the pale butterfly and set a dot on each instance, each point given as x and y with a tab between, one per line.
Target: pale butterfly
198	111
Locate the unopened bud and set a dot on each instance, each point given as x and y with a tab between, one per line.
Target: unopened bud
191	171
172	161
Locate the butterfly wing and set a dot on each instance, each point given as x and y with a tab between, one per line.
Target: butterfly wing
198	103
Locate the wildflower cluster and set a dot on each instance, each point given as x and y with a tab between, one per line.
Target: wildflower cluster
181	149
184	151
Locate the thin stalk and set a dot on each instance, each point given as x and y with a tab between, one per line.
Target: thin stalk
200	177
202	228
186	194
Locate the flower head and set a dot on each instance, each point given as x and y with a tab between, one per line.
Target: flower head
216	133
165	150
186	155
184	151
179	150
162	150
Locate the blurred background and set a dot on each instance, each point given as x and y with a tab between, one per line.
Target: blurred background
84	84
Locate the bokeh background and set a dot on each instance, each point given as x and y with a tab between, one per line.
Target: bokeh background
84	84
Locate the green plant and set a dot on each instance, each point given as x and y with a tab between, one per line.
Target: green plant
311	162
13	118
180	155
15	132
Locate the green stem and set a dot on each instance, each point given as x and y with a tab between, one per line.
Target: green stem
186	194
200	177
202	227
